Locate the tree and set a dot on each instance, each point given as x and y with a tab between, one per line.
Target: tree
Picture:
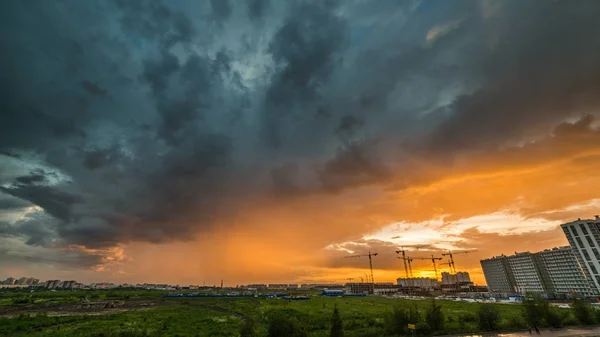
583	311
337	327
434	316
535	308
248	329
553	318
414	316
396	321
489	317
283	325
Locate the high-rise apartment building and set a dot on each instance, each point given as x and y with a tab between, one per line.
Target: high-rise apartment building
584	238
553	271
498	275
561	272
527	277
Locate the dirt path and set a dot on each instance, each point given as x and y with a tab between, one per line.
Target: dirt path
69	309
219	309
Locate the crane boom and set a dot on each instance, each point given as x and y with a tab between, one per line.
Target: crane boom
433	259
404	259
451	254
370	255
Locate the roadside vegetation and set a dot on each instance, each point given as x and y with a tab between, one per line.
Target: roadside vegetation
268	317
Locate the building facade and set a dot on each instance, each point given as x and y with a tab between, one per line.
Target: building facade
418	282
525	272
498	275
555	272
459	277
584	239
359	288
562	273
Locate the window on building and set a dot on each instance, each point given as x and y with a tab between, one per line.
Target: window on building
583	229
593	269
598	279
596	253
574	231
579	242
590	241
587	256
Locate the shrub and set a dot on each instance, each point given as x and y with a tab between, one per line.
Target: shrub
570	320
423	329
283	325
248	329
396	321
516	322
337	327
535	308
583	312
489	317
434	316
553	319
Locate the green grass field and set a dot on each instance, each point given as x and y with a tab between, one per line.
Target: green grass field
362	316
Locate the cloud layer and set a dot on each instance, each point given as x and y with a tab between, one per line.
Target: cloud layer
144	122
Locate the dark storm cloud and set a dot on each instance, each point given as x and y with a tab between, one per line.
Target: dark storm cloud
322	96
221	9
256	8
54	201
306	48
536	69
99	158
93	89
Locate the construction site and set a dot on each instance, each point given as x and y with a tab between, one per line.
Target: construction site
444	282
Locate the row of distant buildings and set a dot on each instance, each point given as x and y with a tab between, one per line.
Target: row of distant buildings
23	281
558	272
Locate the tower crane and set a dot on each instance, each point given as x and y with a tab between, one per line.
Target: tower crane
370	255
408	260
451	253
433	259
404	259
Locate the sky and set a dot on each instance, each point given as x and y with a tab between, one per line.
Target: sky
189	142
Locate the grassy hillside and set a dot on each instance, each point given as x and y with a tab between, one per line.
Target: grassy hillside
361	316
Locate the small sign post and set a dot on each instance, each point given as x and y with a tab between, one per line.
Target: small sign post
412	328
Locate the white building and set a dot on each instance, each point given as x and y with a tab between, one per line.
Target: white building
584	239
563	272
555	272
459	277
419	282
498	275
527	277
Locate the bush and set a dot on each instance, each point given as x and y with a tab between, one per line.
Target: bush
248	329
467	318
26	299
570	320
414	316
553	319
489	317
517	322
337	327
423	329
535	308
284	325
583	312
434	316
396	321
